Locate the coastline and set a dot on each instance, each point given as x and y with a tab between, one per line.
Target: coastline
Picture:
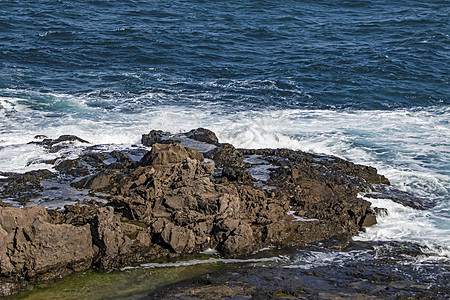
95	215
174	202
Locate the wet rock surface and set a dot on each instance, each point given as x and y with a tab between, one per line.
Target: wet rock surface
373	278
401	197
136	205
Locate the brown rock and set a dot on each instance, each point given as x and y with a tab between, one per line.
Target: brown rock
109	237
241	241
180	239
226	155
31	247
165	154
369	220
174	202
98	182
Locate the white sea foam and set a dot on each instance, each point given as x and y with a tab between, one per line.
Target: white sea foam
210	251
407	224
204	261
410	146
310	259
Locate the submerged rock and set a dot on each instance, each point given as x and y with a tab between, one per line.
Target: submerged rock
173	202
402	197
55	145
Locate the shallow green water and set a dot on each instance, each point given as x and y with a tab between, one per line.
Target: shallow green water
128	284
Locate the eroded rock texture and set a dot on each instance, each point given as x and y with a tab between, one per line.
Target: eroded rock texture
176	200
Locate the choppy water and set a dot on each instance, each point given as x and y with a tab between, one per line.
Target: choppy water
363	80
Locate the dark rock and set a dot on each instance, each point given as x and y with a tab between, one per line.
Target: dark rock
226	156
74	167
203	135
240	175
402	197
156	136
69	138
369	220
382	212
55	145
24	187
359	279
122	158
81	166
161	137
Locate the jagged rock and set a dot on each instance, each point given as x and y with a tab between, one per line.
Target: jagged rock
369	220
31	247
156	136
240	241
68	138
100	182
180	239
402	197
81	166
226	155
165	154
24	187
239	174
109	237
174	202
74	167
123	161
55	145
162	137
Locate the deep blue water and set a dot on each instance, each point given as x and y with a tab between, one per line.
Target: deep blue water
249	54
364	80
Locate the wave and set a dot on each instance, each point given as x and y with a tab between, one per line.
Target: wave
430	228
409	146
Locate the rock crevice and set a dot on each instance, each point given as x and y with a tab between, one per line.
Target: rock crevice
174	202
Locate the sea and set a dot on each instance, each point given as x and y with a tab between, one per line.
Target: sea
367	81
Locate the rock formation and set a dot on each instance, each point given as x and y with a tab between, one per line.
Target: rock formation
174	201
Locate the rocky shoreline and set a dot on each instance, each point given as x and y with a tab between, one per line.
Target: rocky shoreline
376	277
189	193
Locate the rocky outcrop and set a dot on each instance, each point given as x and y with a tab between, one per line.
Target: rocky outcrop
171	201
32	248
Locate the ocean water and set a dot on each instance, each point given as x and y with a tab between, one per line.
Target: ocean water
364	80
